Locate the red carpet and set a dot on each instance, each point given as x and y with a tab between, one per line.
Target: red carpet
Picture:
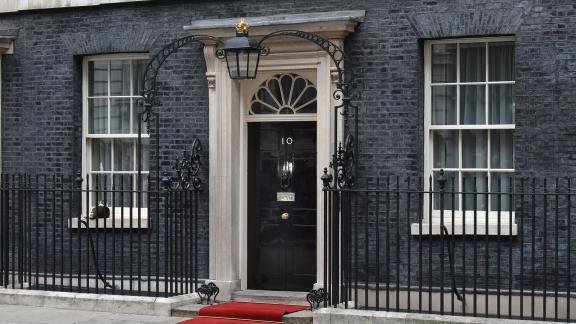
243	313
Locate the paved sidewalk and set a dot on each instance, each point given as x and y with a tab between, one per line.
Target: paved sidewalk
39	315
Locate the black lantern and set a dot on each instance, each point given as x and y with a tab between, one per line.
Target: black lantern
242	53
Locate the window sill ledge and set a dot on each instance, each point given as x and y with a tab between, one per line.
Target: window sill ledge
502	229
116	223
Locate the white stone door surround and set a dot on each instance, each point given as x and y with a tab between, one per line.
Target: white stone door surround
228	128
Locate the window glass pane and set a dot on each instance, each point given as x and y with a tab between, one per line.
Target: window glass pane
98	78
287	81
119	116
101	154
101	184
138	68
120	78
137	108
502	103
475	186
444	105
444	63
501	61
474	149
500	186
502	149
123	185
472	104
450	200
445	149
274	94
472	62
143	195
97	116
306	103
145	155
124	155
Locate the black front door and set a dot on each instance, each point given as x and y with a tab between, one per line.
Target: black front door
282	206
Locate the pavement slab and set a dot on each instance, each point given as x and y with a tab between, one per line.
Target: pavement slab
15	314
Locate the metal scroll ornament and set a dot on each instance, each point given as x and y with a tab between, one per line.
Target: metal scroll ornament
316	297
208	293
346	161
187	167
343	163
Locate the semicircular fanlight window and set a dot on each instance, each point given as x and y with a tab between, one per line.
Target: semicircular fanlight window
286	93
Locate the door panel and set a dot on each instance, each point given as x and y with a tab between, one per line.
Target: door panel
282	179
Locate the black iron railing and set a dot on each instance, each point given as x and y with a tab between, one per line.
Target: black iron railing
112	238
409	245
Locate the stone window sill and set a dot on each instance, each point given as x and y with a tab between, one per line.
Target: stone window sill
116	221
502	229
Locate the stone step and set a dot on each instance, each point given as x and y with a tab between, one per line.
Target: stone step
188	311
303	317
271	297
259	296
191	311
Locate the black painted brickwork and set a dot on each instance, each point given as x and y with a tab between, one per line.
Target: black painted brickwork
41	105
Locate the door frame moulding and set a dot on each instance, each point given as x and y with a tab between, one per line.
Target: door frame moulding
228	129
311	63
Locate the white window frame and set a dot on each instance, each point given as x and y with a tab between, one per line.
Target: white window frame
498	223
131	215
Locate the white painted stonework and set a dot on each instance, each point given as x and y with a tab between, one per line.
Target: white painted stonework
6	45
228	127
20	5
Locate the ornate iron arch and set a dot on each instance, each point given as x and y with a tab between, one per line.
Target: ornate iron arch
149	99
343	159
333	50
150	91
343	163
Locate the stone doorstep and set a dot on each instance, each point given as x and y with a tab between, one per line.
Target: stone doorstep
271	297
191	311
96	302
303	317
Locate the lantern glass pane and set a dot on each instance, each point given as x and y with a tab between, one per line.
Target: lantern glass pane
253	63
231	60
243	64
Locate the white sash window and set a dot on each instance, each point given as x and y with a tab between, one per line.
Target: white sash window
111	91
469	127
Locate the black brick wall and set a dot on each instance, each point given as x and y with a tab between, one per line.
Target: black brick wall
41	104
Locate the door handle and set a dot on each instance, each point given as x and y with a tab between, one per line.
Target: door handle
285	216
